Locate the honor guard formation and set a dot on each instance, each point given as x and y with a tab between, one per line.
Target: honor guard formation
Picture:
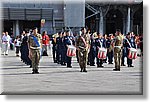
89	48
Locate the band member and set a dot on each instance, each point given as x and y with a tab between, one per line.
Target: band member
99	43
5	43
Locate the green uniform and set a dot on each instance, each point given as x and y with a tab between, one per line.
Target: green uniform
35	51
82	42
118	51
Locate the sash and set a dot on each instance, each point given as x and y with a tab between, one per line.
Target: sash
35	40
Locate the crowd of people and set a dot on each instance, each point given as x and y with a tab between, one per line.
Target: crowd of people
33	45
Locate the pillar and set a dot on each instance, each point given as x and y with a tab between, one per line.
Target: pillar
124	26
16	30
128	20
101	23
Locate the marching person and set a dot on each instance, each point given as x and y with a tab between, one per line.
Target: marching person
68	40
92	52
63	50
58	47
17	45
5	43
54	49
118	44
131	44
99	43
109	49
35	44
45	41
82	45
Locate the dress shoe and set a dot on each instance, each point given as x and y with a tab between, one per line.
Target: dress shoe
69	66
116	69
84	70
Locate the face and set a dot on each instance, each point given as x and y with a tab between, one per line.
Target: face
68	33
99	36
117	33
45	33
6	33
35	31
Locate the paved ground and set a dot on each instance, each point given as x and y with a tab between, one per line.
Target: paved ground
55	79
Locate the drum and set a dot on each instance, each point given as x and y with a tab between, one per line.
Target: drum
71	51
132	53
102	53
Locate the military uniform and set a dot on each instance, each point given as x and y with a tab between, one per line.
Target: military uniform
82	43
35	51
63	51
118	51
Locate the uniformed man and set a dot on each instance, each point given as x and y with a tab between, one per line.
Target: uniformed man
35	45
99	43
131	41
58	47
63	50
68	40
82	45
109	49
118	44
92	53
54	48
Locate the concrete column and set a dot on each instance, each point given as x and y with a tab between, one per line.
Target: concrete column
104	25
17	28
101	23
129	20
124	26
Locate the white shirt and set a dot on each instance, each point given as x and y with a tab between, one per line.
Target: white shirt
6	38
17	42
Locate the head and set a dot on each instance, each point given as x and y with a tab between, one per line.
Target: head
60	34
6	33
83	30
3	33
128	35
35	30
99	35
105	36
118	32
67	33
44	33
63	34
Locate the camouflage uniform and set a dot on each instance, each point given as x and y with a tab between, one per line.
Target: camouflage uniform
82	43
118	51
35	51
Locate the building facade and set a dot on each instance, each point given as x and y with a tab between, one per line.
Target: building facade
103	17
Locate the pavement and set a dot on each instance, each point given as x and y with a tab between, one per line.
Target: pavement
57	79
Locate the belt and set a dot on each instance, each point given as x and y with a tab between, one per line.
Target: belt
5	41
118	47
34	48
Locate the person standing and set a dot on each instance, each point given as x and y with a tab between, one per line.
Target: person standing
45	41
92	52
99	43
17	45
118	44
109	49
5	43
54	48
58	47
68	40
82	45
35	44
63	50
131	44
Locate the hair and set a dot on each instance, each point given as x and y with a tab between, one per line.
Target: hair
82	28
43	33
118	30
